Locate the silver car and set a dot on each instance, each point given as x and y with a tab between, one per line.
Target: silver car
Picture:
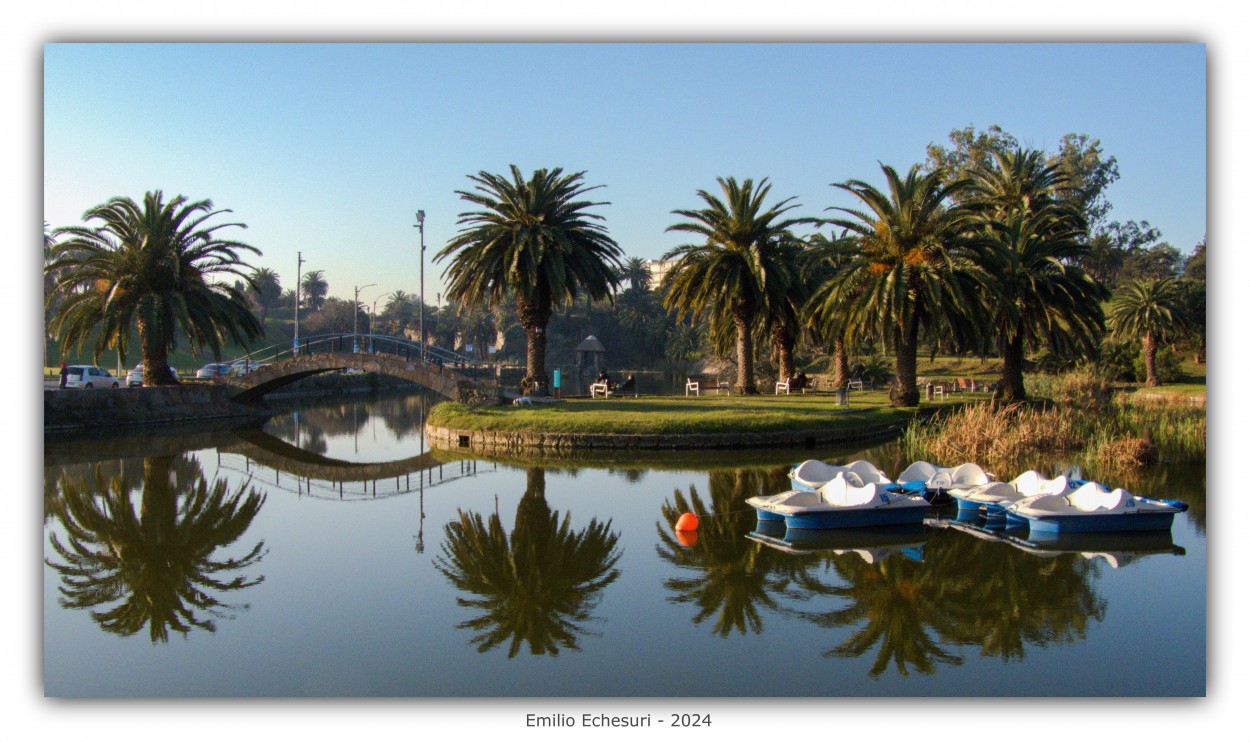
90	377
213	371
135	377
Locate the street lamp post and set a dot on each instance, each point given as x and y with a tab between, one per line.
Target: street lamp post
356	318
299	266
373	318
421	317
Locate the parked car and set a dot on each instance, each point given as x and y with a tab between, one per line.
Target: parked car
242	367
213	371
90	377
135	377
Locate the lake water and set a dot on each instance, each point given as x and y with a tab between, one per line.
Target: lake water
331	555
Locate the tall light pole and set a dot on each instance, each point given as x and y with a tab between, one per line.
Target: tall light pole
299	267
373	318
356	317
421	317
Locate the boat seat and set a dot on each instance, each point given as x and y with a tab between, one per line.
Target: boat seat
1091	497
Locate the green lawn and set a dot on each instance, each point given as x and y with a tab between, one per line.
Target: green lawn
677	415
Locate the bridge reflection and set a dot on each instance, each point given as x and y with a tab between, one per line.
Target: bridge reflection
310	474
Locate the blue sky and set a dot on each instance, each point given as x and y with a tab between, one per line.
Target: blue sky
330	149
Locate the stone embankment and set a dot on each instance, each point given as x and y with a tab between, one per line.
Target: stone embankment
104	408
491	441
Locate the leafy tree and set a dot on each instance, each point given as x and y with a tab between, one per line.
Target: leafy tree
151	265
970	151
912	267
537	240
266	289
1196	263
1150	309
742	270
314	289
1080	158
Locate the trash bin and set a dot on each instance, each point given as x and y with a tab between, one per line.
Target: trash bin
844	395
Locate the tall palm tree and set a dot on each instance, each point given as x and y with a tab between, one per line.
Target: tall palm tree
741	270
537	238
266	289
1150	309
912	268
1034	236
827	313
152	265
314	289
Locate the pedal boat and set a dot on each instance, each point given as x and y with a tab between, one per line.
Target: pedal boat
994	497
937	483
813	474
845	501
1092	508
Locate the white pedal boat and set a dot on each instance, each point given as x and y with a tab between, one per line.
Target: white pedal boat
1092	508
937	483
994	497
813	474
845	501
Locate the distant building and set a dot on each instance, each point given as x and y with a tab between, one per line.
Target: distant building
659	269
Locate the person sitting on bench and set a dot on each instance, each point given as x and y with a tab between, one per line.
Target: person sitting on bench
627	385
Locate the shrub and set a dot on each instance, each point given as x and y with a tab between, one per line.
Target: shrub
1167	366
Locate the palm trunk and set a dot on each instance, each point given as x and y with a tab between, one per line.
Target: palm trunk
534	317
841	366
1011	384
155	357
746	355
904	392
783	344
1150	348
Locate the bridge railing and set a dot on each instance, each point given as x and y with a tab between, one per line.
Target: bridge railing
380	344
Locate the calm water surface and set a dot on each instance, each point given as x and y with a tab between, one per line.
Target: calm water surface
331	555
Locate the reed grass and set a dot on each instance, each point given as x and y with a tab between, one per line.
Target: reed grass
1117	432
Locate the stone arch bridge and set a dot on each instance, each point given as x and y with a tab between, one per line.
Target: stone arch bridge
438	370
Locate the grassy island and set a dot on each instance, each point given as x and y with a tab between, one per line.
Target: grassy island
730	415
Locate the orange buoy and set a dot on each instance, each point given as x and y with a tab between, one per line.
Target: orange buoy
688	539
687	522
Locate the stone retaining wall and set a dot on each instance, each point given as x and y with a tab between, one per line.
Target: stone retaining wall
489	441
68	409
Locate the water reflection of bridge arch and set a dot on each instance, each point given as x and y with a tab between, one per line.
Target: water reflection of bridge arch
323	477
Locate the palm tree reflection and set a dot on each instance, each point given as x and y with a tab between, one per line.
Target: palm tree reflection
539	586
731	577
153	565
967	591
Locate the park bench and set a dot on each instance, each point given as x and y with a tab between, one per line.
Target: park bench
599	388
700	384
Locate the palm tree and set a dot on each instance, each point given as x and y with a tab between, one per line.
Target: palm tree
1035	249
912	269
1150	309
741	270
314	289
151	265
266	289
538	239
825	315
635	273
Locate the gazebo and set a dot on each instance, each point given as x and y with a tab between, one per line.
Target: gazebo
588	353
